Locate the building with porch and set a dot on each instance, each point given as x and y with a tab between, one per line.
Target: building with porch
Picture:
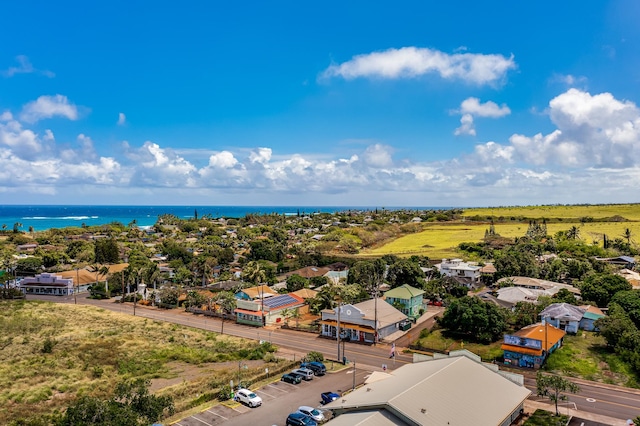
530	346
268	311
407	300
358	322
47	284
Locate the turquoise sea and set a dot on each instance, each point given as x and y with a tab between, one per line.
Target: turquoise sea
46	217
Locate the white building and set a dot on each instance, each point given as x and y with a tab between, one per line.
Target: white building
48	284
466	273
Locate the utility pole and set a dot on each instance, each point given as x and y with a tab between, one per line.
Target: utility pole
375	309
75	290
338	330
354	375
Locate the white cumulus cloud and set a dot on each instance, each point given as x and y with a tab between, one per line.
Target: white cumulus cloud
414	61
47	107
122	119
466	126
488	109
592	130
472	107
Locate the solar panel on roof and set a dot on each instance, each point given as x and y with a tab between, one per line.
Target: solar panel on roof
277	301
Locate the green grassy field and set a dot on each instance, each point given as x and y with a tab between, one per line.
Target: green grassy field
440	342
629	211
585	356
52	353
440	240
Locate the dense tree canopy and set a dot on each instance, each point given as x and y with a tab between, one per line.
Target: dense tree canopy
106	251
403	272
474	318
600	288
131	405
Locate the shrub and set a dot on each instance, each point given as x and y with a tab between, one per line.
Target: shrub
48	345
314	356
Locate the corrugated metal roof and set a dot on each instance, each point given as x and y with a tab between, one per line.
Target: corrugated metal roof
405	291
366	418
447	391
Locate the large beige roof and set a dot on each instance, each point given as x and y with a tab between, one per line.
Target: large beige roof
447	391
366	418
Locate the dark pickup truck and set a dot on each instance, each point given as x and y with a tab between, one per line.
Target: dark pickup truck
328	397
318	368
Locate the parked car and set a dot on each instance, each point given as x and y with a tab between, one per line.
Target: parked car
245	396
305	373
314	413
317	367
299	419
328	397
291	378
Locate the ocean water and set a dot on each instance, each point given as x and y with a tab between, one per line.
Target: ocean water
47	217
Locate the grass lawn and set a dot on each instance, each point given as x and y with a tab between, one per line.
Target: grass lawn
628	211
546	418
440	240
52	353
585	356
439	341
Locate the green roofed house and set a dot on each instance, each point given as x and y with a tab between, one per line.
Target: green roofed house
407	300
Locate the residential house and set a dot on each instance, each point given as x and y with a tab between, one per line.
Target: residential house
47	284
590	316
268	311
254	293
631	276
29	247
530	346
537	284
627	262
564	316
445	391
358	322
465	273
407	300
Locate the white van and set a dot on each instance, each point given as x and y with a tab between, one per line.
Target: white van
304	372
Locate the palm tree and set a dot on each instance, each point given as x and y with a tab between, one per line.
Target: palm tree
101	270
573	233
254	273
226	300
16	227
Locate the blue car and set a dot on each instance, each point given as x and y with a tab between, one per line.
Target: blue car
328	397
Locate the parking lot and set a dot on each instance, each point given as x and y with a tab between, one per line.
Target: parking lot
278	400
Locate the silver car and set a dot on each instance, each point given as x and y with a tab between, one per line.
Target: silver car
314	413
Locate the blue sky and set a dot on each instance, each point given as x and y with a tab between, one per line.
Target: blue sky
333	103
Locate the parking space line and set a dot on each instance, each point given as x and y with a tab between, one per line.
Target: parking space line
216	414
272	386
208	424
261	391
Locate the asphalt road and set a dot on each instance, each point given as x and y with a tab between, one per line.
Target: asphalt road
616	402
612	401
